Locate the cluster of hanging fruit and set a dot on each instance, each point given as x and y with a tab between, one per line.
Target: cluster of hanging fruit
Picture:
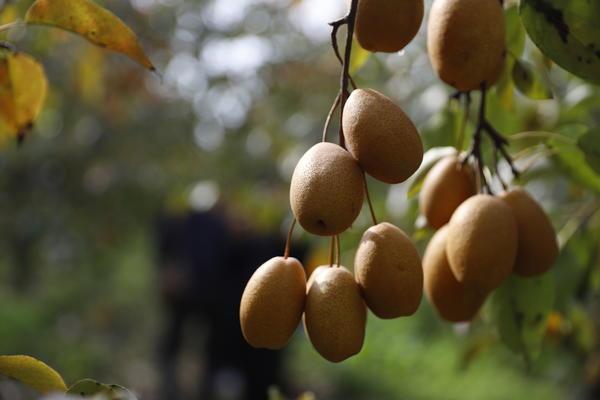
480	239
327	194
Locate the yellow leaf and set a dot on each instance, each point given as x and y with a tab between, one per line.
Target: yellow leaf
89	72
358	57
88	19
8	14
23	88
33	373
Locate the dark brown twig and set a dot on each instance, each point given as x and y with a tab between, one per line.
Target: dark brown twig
499	142
350	20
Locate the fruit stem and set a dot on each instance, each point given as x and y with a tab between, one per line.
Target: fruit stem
331	251
373	217
286	251
335	105
460	141
337	245
499	142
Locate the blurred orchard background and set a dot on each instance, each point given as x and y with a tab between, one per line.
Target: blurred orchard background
245	89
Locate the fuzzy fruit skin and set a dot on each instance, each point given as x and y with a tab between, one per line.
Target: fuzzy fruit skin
381	137
388	270
466	42
272	303
453	301
327	190
445	187
482	242
537	249
387	25
335	313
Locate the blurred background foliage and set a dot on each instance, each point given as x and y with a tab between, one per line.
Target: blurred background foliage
245	90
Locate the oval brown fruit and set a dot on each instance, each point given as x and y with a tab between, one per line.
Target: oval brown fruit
387	25
466	42
453	301
381	137
335	313
388	269
446	186
327	190
272	303
537	249
482	242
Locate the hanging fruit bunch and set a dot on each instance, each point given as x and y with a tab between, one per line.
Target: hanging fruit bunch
328	189
481	238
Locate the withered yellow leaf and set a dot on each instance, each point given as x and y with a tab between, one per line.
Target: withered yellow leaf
88	19
32	373
23	89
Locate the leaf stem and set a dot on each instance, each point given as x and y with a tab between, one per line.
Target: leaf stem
12	25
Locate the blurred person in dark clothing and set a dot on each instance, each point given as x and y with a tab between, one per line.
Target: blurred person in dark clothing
205	262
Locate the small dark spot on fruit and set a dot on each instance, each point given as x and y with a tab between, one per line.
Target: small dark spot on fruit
321	224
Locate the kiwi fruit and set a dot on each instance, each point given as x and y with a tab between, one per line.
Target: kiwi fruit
446	186
466	42
381	136
327	190
272	303
453	301
388	269
387	25
537	249
335	313
482	242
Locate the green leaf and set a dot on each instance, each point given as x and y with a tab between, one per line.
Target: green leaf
528	82
91	21
572	159
505	86
590	145
358	58
567	32
32	373
520	309
515	33
90	387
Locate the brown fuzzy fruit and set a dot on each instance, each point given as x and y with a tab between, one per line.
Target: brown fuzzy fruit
453	301
445	187
381	137
482	242
537	249
387	25
335	313
466	42
388	269
327	190
272	303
